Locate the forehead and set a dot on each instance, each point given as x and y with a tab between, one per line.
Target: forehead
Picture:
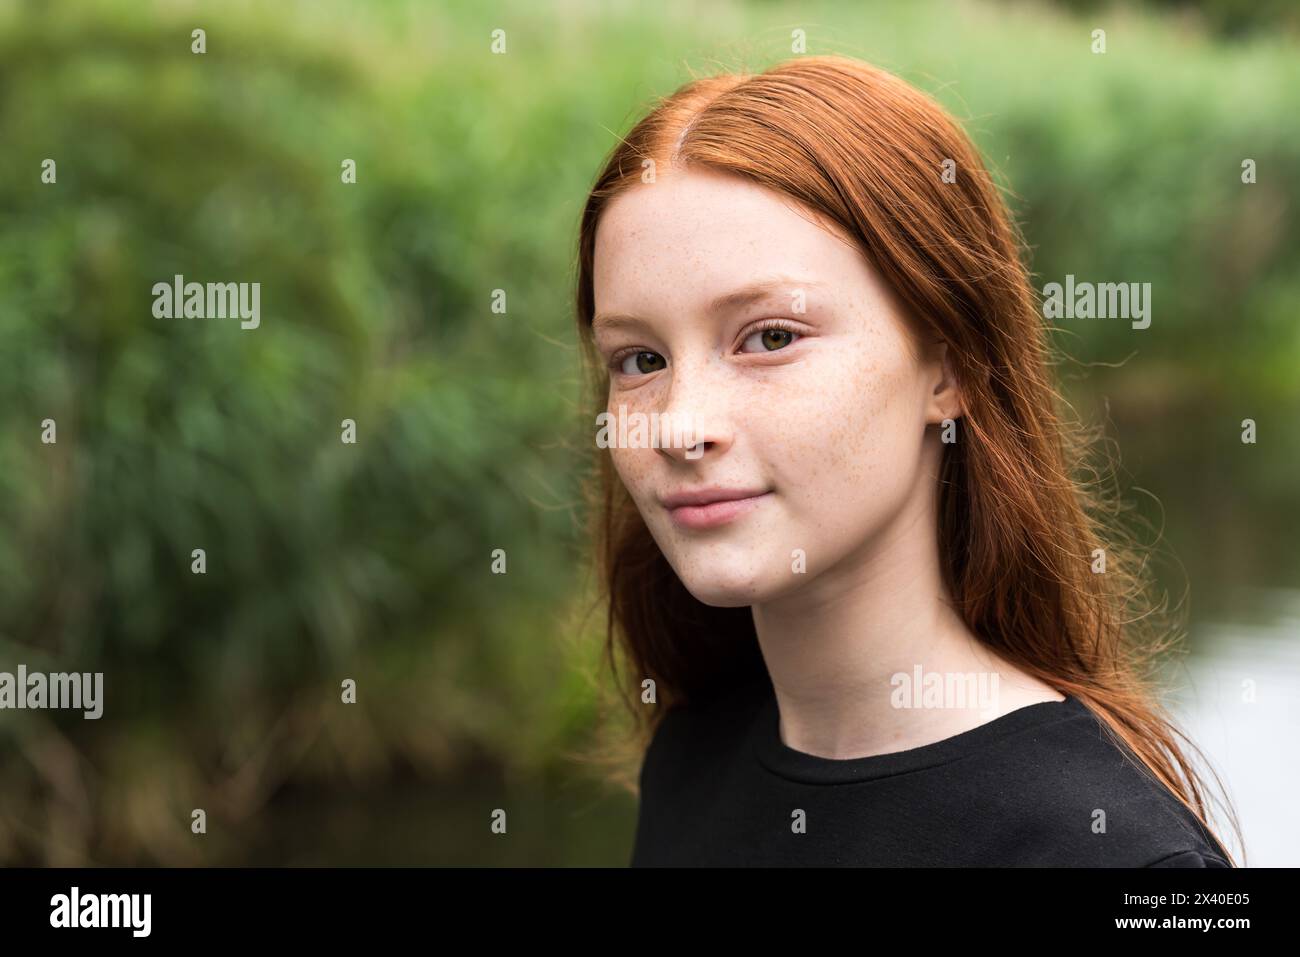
693	234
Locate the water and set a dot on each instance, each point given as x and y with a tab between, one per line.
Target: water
1240	704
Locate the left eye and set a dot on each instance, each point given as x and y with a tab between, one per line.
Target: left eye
769	340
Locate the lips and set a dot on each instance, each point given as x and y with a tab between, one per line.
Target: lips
710	507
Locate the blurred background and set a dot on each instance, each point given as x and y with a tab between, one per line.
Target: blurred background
373	561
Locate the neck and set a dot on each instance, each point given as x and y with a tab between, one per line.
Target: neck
834	647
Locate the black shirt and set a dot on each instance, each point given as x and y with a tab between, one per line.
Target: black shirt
1039	786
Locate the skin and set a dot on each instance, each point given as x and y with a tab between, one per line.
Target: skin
840	423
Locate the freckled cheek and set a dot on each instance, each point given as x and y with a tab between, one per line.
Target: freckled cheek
837	408
840	434
634	467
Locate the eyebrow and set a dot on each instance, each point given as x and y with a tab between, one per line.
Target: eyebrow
736	299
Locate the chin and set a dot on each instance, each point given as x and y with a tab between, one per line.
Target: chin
724	585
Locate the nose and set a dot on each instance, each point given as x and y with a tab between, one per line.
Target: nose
696	415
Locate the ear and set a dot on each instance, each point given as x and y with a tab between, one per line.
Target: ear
943	400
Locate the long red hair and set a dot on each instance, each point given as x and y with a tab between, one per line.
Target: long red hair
1022	509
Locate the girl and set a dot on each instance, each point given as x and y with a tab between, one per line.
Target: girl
868	615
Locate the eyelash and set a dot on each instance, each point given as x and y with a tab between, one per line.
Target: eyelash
617	358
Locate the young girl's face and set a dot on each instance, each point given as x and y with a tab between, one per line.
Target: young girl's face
819	424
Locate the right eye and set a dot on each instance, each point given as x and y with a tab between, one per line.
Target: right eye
641	362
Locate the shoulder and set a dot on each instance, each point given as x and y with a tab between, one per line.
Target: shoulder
685	766
1191	859
1079	798
696	736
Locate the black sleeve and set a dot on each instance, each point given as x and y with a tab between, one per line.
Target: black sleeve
1190	859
